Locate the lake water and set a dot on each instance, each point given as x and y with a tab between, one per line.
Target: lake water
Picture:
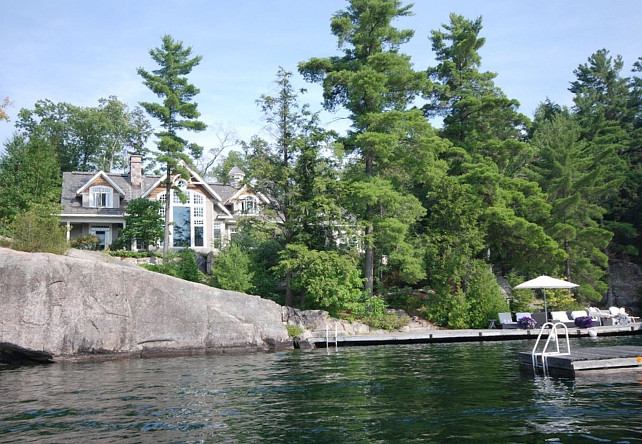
471	392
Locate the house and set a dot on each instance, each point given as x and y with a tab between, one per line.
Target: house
96	204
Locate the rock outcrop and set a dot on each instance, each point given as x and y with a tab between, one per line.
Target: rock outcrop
626	284
73	307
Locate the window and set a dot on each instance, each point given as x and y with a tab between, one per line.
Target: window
100	197
217	234
248	205
188	219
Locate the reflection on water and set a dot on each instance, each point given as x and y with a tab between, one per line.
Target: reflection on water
416	393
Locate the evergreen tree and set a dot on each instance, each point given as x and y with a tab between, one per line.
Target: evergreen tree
489	150
477	115
377	85
565	169
177	112
232	270
290	170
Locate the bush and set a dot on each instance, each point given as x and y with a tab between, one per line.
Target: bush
39	230
293	330
86	242
232	270
187	268
133	254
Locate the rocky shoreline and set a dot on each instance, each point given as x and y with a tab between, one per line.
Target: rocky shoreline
74	308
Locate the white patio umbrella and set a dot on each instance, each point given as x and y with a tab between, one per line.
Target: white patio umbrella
544	282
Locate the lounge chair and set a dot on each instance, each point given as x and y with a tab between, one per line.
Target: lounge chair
578	314
519	316
595	314
540	318
620	316
506	320
561	316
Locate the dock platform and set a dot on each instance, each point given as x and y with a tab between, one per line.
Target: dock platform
425	336
591	360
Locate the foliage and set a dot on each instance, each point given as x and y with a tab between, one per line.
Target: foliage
328	279
29	174
187	266
561	299
87	138
143	223
526	323
182	265
168	267
386	321
177	112
376	84
132	254
293	330
232	270
476	299
86	242
290	169
39	230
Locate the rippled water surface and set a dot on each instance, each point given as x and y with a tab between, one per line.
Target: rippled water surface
473	392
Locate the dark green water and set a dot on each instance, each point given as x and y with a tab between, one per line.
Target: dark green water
473	392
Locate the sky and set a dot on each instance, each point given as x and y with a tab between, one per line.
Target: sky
78	51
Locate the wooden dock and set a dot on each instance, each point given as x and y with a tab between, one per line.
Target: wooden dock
426	336
591	360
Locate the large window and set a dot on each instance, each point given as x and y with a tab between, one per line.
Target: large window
101	197
188	220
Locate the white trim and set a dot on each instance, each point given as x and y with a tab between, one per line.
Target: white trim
192	173
93	179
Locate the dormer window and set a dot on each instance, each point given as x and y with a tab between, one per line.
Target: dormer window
101	197
249	205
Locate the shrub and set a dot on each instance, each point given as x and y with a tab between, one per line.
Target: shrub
293	330
39	230
583	322
232	270
86	242
187	267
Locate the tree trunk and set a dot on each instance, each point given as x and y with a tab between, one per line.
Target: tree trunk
288	289
568	260
168	188
368	267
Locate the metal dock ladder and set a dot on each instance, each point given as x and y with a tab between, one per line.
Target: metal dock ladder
540	357
327	337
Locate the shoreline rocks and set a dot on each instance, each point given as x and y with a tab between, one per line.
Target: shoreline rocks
71	308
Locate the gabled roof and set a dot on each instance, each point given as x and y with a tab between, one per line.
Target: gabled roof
95	178
246	189
199	181
236	171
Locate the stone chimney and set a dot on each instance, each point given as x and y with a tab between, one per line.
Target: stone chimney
136	170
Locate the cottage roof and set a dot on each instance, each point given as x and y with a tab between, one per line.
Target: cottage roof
74	182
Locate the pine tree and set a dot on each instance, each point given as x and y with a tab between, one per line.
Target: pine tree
176	113
377	85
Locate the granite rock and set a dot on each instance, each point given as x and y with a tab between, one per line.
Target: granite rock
69	307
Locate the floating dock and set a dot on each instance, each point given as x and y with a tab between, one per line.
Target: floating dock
590	360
